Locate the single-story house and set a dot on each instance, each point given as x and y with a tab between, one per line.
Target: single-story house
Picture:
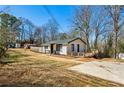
74	46
28	46
17	45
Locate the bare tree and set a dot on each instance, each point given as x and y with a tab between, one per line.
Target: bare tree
82	20
114	12
53	29
63	36
38	36
22	30
30	30
26	31
100	24
5	9
45	35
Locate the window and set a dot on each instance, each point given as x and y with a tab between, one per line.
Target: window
46	47
58	47
78	48
72	47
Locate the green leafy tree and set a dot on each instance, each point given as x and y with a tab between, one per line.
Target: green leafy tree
7	34
121	47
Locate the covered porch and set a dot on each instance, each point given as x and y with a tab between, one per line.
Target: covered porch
55	48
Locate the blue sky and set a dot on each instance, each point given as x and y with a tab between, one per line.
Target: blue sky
39	16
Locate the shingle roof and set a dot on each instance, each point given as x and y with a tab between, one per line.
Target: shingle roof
60	41
65	41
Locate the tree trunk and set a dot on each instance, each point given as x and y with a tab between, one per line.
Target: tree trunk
95	43
88	45
115	50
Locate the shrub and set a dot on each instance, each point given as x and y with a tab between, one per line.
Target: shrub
121	47
2	51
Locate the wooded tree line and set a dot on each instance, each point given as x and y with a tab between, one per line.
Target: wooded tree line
21	30
101	27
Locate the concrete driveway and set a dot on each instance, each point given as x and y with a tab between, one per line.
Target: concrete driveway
113	71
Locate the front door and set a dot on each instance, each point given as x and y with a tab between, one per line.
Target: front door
78	48
51	48
58	48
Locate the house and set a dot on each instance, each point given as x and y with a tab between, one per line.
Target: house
74	46
17	45
28	45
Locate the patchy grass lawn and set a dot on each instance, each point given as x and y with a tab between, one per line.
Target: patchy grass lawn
34	69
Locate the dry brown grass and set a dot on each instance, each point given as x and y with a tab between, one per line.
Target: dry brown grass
35	69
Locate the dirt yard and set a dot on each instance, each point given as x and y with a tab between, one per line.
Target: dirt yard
27	68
